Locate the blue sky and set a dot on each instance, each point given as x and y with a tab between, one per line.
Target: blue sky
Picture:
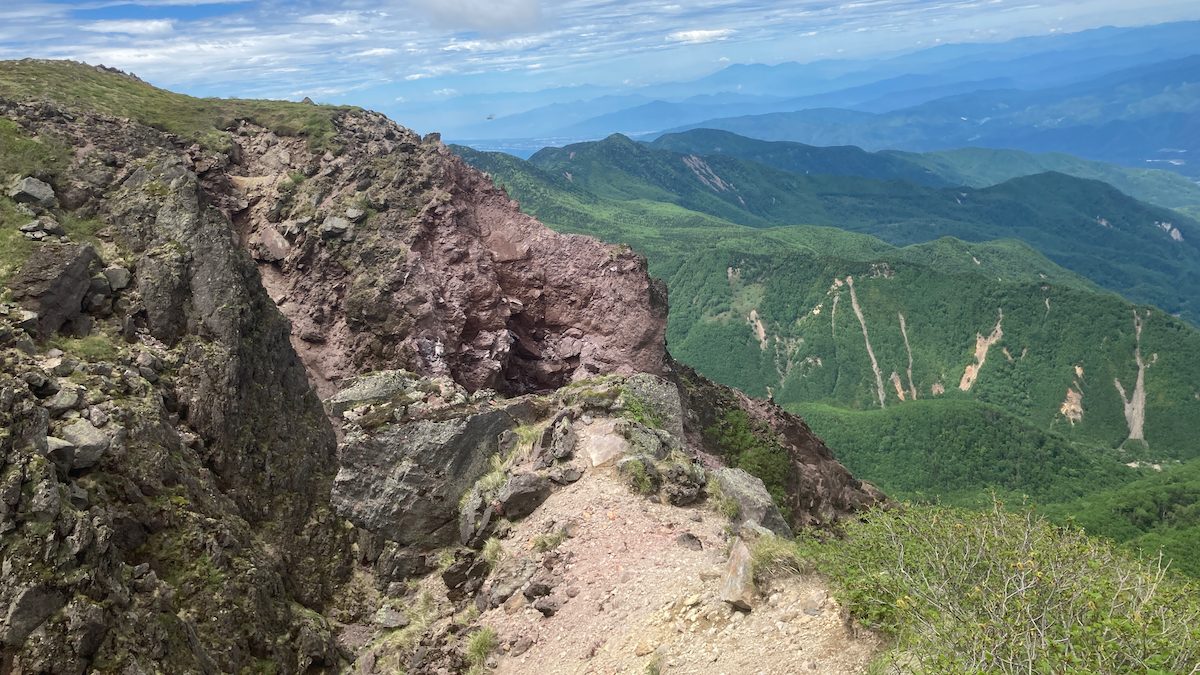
409	57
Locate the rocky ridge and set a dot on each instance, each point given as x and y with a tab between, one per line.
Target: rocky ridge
173	494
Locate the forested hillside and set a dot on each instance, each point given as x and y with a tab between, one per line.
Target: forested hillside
941	370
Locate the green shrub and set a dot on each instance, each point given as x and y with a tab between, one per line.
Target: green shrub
1005	592
479	646
493	552
639	476
550	541
91	348
750	447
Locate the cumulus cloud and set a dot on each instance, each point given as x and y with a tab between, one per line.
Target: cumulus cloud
696	37
485	16
132	26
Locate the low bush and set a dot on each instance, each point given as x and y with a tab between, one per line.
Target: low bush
1002	591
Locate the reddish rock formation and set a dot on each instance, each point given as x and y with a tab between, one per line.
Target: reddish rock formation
395	253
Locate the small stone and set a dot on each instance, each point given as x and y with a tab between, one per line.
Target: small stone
97	416
691	601
355	214
814	602
689	541
521	646
118	277
565	475
643	648
549	605
52	227
390	619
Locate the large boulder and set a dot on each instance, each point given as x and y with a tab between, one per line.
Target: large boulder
754	503
404	481
30	607
53	282
30	190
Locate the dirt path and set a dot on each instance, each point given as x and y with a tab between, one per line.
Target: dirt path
641	595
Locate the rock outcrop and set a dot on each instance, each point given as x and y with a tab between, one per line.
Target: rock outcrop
174	495
393	253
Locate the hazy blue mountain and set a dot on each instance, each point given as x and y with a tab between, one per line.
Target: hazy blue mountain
877	85
1147	116
973	167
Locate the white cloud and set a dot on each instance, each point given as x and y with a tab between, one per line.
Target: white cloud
485	16
132	26
445	92
374	53
695	37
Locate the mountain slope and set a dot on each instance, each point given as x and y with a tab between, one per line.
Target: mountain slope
982	167
1149	254
972	167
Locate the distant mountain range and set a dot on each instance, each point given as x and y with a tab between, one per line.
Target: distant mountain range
1147	253
1138	89
1147	116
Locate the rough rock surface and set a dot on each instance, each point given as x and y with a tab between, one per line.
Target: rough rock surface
820	490
168	500
754	503
53	283
404	482
440	273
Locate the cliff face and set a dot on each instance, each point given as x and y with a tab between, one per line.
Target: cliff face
178	311
394	253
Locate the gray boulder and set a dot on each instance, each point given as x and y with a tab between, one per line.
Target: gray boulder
661	400
118	277
403	481
67	398
53	282
754	503
522	494
30	607
30	190
61	452
334	227
376	387
90	443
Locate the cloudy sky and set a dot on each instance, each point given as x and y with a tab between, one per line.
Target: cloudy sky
397	55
